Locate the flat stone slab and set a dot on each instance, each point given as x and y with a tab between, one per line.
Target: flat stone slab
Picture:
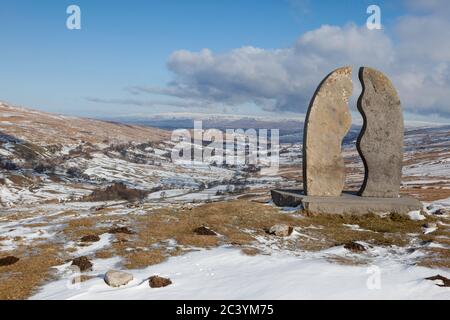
347	203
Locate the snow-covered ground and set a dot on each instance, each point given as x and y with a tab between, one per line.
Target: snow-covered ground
226	273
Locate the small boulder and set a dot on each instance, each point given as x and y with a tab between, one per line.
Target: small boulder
123	230
82	263
159	282
7	261
90	238
354	246
204	231
280	230
442	212
116	279
429	227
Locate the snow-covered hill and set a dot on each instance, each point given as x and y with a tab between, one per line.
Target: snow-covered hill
64	178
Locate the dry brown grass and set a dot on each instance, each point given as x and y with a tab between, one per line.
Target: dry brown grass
431	194
347	261
437	258
250	251
142	259
237	223
20	280
377	230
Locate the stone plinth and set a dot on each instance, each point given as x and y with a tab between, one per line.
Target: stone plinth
348	203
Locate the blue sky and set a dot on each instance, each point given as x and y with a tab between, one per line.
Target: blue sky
155	48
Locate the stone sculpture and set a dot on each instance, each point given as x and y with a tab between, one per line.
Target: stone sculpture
327	122
380	143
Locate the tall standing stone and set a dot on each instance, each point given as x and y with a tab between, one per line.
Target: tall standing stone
380	143
327	122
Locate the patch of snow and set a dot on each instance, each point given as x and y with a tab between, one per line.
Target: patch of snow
226	273
416	215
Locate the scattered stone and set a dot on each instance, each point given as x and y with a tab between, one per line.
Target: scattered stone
116	279
380	143
442	212
430	225
7	261
327	122
354	246
123	230
204	231
159	282
90	238
134	205
280	230
445	281
82	263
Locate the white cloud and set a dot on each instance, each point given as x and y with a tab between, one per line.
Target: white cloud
281	79
416	56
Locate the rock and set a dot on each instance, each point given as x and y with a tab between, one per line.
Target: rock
8	261
430	225
354	246
82	263
123	230
442	212
380	143
445	281
115	278
280	230
327	122
204	231
90	238
159	282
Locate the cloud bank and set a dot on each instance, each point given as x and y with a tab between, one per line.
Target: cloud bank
415	55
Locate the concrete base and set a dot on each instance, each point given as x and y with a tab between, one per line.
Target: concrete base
348	203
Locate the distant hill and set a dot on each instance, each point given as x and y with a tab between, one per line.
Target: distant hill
48	129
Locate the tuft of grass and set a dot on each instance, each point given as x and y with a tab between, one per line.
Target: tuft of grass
142	259
250	251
